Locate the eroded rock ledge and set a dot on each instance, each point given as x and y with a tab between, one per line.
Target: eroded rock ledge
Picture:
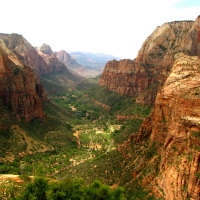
144	76
174	126
18	87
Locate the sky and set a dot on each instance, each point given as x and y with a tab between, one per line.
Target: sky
115	27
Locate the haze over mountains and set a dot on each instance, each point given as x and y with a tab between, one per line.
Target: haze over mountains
153	155
86	64
92	59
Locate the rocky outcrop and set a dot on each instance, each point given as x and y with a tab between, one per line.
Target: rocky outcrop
174	126
169	59
42	60
145	75
124	76
56	66
191	43
26	53
47	68
52	62
46	49
18	86
71	63
64	57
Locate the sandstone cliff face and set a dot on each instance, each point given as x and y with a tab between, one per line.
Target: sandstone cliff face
52	62
124	76
191	43
43	61
174	126
18	86
146	74
26	53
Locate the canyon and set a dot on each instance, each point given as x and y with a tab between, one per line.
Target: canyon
165	74
162	156
22	68
174	127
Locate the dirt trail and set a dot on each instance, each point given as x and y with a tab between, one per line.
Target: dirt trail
12	177
78	141
32	145
17	130
109	147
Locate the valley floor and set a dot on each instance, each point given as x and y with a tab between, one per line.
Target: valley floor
76	134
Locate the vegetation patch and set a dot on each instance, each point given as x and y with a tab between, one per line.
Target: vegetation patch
82	136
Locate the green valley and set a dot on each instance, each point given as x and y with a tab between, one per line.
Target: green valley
75	134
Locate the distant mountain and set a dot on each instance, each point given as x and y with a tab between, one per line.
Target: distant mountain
92	60
85	64
70	63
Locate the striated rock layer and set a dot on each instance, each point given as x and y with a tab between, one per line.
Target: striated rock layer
26	53
174	126
52	62
144	76
41	60
124	76
18	86
21	76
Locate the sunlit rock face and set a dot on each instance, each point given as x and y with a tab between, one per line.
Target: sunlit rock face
18	86
124	77
42	60
145	75
21	69
26	53
54	65
174	126
191	43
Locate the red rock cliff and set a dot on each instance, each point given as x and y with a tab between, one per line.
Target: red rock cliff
146	74
18	86
191	43
174	126
43	61
53	63
124	76
26	53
